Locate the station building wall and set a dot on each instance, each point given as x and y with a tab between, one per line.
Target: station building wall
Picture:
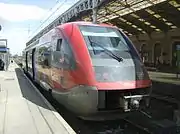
157	44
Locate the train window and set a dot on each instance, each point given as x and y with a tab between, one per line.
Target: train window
44	56
99	40
66	52
47	55
58	46
110	38
29	61
62	57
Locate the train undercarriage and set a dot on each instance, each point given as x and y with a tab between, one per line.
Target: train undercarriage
90	104
126	100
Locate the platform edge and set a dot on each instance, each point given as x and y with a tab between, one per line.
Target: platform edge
57	115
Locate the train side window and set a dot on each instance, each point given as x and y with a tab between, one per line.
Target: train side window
47	56
40	55
62	56
58	46
44	56
67	54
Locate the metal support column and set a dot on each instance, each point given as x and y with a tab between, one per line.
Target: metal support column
95	8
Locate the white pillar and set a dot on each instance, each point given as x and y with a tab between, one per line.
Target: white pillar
95	8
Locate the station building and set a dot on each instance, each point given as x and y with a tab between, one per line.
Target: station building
4	53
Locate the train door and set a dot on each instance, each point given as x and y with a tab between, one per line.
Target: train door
26	62
44	65
47	65
33	63
30	69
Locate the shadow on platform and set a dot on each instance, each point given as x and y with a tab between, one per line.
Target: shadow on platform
28	90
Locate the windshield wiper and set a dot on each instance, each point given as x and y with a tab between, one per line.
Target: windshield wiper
111	54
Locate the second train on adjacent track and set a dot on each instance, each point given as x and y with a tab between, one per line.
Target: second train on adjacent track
89	68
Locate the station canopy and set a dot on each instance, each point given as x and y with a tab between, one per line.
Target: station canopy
134	17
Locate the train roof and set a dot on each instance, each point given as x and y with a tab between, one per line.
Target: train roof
68	24
87	23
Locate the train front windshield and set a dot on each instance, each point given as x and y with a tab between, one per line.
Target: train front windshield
99	39
111	53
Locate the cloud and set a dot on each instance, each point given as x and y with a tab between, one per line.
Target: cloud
17	33
56	11
17	39
19	12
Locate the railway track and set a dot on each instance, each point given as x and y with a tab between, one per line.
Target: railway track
166	98
140	122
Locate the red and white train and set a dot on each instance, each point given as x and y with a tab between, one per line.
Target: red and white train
89	68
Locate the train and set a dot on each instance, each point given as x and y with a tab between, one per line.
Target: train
89	68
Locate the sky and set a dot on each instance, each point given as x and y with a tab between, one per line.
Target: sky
21	19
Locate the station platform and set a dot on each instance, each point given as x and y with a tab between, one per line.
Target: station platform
23	110
166	84
164	77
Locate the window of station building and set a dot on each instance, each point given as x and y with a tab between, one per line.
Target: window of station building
157	53
144	53
176	54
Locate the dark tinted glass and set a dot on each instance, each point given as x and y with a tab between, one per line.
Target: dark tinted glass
62	56
44	55
109	38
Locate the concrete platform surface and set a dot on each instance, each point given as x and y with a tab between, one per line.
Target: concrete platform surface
23	110
164	77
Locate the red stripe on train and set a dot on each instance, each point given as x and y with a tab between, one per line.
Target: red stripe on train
124	85
115	85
